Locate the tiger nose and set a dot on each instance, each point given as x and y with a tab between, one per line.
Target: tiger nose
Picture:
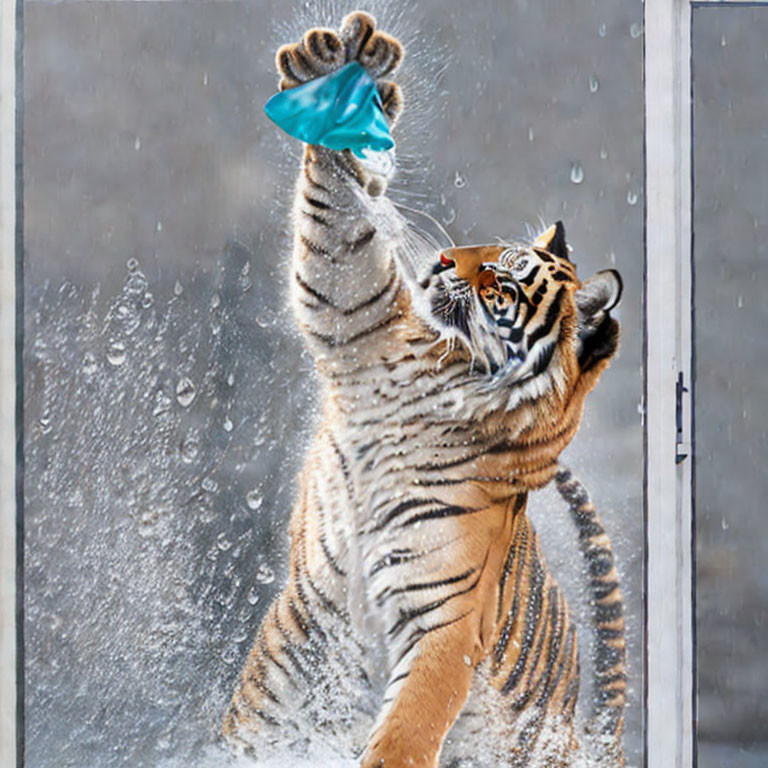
469	258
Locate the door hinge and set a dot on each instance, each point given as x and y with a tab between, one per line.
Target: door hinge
683	447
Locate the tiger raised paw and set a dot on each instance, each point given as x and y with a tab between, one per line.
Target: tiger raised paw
420	622
322	51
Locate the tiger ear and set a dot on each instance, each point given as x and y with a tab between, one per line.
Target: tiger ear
601	293
553	241
597	332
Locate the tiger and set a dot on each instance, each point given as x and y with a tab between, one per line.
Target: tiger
419	625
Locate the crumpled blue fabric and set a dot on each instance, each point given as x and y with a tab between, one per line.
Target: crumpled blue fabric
342	110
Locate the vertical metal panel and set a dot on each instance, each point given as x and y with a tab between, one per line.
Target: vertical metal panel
7	384
669	639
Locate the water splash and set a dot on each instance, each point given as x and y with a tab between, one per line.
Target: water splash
144	567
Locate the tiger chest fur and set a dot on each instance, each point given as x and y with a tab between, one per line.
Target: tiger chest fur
418	598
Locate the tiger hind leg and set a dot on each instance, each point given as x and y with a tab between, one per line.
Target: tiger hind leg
304	685
492	732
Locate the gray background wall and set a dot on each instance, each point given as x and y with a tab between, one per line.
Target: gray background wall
156	526
731	273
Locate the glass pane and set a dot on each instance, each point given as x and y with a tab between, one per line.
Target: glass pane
730	227
169	398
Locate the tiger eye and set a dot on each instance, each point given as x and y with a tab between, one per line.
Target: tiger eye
486	279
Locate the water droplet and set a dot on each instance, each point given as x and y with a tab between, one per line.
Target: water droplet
724	524
229	656
89	364
635	29
577	173
253	499
222	542
147	299
740	302
136	284
132	264
231	380
137	144
613	257
116	352
459	181
264	574
594	84
44	422
159	226
147	521
601	30
450	218
178	288
723	41
190	447
228	425
631	197
185	392
467	661
244	281
253	596
215	301
209	485
128	317
530	133
162	403
603	153
205	78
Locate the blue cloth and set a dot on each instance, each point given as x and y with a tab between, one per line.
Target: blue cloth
342	110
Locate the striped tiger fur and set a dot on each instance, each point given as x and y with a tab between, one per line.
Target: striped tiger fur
609	651
420	623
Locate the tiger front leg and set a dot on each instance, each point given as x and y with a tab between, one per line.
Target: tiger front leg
334	179
430	698
346	291
443	628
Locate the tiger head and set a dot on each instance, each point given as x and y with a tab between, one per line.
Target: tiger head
516	308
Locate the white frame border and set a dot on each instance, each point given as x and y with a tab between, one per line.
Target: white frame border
670	664
8	387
